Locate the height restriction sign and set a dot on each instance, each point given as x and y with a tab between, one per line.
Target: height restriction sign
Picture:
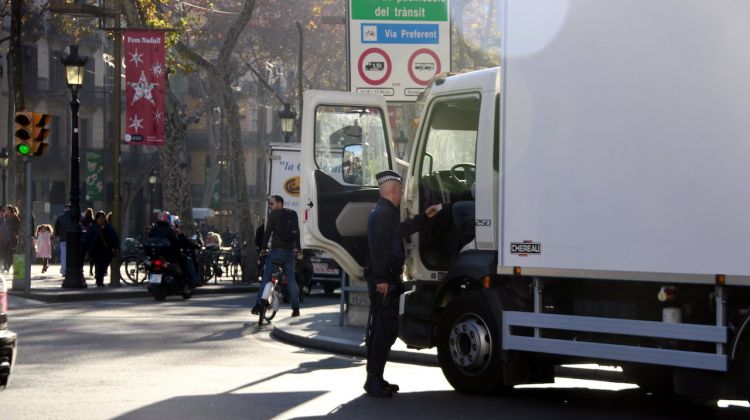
397	46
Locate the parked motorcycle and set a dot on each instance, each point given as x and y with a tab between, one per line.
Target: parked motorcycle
165	276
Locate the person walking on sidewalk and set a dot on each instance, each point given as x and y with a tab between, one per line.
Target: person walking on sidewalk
102	244
86	221
284	226
385	235
44	245
4	242
62	224
10	228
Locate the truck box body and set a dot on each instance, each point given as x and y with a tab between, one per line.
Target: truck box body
624	130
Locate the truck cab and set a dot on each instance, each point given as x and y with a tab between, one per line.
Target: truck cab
346	141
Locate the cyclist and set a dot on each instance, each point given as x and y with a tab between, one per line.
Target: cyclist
282	223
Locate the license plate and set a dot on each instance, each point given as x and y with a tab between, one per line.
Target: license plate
154	278
324	268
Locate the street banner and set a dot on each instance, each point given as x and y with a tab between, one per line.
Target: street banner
145	81
397	47
94	177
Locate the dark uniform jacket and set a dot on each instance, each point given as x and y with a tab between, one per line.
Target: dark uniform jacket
385	234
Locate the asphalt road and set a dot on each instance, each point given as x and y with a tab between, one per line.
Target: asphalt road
204	358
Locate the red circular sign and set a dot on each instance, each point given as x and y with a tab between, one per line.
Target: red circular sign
413	57
361	67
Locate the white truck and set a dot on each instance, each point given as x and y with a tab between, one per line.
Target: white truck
604	170
283	176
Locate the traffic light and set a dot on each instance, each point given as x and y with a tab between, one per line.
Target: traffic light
24	132
39	133
31	131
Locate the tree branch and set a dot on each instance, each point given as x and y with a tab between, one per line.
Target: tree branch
234	32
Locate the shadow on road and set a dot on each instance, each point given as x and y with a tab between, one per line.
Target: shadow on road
244	405
534	404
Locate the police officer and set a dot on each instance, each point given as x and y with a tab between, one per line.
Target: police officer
385	234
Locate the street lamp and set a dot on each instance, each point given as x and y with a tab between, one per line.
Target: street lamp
287	117
152	182
4	160
74	70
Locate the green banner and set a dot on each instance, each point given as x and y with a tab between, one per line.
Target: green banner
94	177
414	10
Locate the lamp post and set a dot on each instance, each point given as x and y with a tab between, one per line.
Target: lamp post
4	160
152	182
74	70
287	117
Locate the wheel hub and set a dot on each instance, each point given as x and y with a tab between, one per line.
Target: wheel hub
470	345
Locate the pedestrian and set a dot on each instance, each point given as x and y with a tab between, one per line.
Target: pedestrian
4	242
44	245
10	227
284	226
385	235
102	243
62	226
227	235
86	221
260	246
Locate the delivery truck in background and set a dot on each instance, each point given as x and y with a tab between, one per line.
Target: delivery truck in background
603	171
283	176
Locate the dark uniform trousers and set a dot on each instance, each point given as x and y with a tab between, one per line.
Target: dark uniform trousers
382	327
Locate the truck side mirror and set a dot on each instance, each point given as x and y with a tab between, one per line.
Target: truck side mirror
351	164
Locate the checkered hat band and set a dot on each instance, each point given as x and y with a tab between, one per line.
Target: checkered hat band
388	178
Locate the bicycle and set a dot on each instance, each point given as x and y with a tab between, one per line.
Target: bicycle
134	268
232	262
134	265
270	297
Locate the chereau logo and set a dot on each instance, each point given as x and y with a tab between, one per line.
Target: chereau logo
525	248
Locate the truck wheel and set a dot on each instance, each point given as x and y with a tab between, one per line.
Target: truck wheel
329	289
468	342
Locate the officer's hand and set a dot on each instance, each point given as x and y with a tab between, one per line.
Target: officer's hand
264	252
431	211
382	288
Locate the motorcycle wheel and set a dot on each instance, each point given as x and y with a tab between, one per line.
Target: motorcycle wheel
160	295
187	292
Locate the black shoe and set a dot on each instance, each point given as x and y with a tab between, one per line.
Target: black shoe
389	386
295	312
375	388
256	310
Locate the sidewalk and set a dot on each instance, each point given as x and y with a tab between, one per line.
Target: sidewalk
318	328
47	287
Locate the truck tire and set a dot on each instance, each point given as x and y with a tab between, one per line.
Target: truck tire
469	346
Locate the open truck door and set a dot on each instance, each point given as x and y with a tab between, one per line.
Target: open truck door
345	142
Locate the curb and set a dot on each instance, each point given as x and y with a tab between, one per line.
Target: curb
347	347
91	294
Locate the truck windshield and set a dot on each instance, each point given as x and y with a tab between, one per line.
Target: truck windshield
340	126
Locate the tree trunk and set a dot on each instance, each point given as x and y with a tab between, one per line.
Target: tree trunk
173	171
212	171
246	230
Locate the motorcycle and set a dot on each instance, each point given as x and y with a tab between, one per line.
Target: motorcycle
165	276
